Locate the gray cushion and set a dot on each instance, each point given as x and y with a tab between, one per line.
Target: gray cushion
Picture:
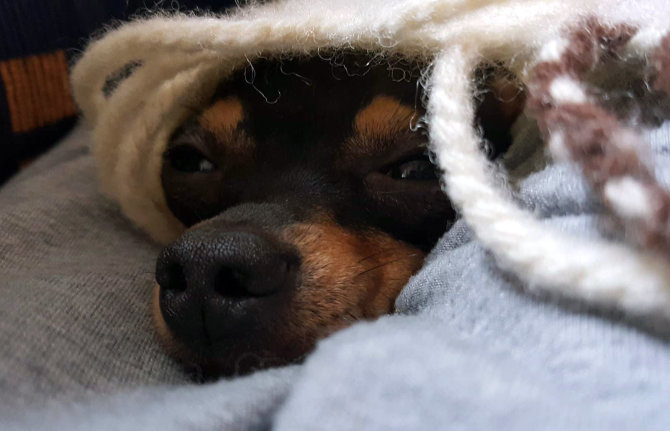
76	284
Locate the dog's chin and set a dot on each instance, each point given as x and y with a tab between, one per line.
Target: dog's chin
208	363
262	347
244	353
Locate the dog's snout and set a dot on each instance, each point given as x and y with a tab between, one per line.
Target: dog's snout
211	280
233	265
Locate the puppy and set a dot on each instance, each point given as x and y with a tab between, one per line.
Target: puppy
310	199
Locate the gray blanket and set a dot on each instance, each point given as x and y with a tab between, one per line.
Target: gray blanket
469	347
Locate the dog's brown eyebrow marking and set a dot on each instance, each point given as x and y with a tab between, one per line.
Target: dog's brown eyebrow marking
383	117
224	115
222	119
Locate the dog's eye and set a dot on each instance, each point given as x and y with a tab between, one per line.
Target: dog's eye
186	158
418	169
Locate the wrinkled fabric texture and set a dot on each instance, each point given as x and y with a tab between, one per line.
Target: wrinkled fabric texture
246	403
469	347
473	349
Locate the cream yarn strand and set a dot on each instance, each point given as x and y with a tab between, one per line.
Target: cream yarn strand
598	271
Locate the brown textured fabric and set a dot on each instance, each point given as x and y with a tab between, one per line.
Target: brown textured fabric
593	136
662	65
38	90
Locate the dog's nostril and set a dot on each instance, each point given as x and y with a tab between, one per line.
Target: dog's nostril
282	270
261	279
174	278
208	267
231	283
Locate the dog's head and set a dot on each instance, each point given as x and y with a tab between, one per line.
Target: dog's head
310	200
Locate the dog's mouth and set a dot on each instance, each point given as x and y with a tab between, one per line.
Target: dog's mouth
236	337
211	353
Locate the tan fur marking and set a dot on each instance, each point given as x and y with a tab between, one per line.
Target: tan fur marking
382	116
222	120
347	275
222	116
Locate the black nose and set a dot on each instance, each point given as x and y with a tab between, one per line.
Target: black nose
215	282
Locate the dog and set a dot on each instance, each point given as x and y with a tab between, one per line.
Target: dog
311	199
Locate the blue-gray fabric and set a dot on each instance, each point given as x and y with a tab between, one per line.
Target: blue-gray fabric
470	347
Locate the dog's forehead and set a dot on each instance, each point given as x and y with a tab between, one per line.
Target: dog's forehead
310	100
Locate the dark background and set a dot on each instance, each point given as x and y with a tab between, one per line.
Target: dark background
34	27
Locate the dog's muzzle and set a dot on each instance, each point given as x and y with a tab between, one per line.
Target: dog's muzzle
223	282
